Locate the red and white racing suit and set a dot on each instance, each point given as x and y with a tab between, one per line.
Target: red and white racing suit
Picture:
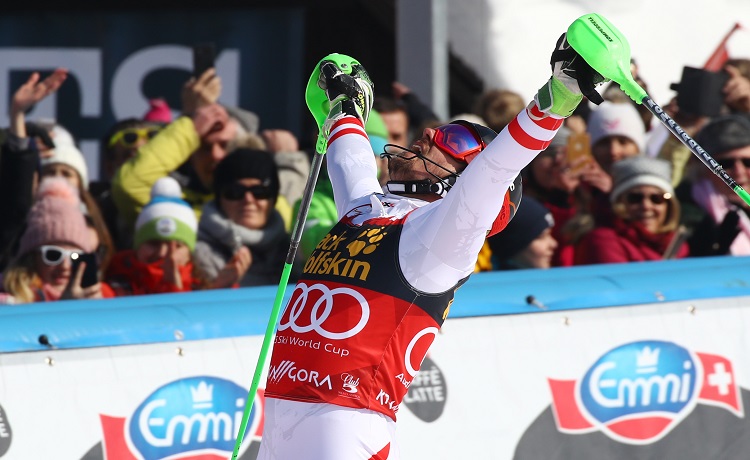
374	294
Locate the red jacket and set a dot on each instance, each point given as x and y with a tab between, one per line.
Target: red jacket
624	242
128	276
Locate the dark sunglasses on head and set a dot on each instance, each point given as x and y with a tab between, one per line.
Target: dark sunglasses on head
655	198
130	136
457	140
54	255
237	191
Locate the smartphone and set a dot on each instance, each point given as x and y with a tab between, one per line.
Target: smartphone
204	55
578	151
699	91
90	272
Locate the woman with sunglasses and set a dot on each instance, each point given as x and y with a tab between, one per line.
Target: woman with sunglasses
241	235
56	232
376	289
646	217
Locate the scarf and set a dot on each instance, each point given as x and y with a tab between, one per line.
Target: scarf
222	237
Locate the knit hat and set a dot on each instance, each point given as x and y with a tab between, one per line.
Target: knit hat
725	133
247	163
247	121
531	219
377	132
615	119
68	154
167	217
158	111
56	217
640	170
560	139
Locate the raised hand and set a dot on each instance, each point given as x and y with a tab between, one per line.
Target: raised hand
74	290
211	122
737	90
172	265
280	140
29	94
234	270
200	92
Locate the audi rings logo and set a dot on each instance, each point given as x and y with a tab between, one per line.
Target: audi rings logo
321	311
410	349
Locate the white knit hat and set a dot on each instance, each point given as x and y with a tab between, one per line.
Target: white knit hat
167	217
617	119
640	170
68	154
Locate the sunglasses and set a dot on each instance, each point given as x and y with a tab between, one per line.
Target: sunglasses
458	141
129	137
732	162
655	198
237	191
54	255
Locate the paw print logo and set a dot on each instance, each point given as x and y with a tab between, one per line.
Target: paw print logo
366	242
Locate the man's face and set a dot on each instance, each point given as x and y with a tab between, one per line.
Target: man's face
213	149
611	149
397	124
414	168
737	164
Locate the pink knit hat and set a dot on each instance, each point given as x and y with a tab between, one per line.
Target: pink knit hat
56	217
158	111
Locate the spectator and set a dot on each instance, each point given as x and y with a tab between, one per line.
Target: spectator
717	216
120	144
556	184
617	132
527	241
20	159
162	258
67	162
498	107
646	217
396	119
188	149
55	228
294	168
241	236
419	115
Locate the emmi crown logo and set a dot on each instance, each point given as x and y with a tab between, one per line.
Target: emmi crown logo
638	392
197	415
339	254
202	395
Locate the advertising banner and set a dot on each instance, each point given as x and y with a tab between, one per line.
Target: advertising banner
650	381
117	61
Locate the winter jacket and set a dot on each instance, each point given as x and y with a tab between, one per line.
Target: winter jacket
128	276
18	162
624	242
219	238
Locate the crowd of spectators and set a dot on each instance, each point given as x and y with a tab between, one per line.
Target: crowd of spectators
207	200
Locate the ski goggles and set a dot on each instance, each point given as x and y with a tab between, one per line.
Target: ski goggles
54	255
458	141
131	136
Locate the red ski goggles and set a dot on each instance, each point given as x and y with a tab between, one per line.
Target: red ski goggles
458	140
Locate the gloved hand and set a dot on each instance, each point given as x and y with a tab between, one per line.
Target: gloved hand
571	78
351	94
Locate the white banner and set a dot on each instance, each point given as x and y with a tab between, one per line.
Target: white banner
653	381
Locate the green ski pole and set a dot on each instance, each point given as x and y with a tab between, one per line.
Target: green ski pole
607	51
